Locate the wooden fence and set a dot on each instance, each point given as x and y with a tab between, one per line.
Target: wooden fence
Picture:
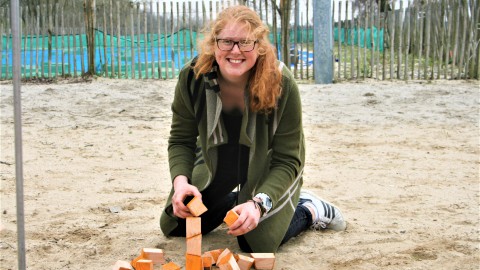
153	39
138	40
413	40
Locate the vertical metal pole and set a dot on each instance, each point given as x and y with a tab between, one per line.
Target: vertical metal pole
322	41
17	112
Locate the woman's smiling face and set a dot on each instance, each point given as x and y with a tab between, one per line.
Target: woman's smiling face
235	65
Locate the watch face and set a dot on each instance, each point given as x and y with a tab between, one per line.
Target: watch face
268	203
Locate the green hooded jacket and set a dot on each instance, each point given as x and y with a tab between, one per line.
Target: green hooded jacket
276	142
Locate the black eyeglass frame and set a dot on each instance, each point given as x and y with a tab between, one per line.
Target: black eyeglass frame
235	43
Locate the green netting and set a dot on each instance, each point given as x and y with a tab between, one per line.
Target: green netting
360	37
30	42
138	56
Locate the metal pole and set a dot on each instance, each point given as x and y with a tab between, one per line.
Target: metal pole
322	41
17	112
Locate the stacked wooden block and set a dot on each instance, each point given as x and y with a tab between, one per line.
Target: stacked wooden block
222	259
194	235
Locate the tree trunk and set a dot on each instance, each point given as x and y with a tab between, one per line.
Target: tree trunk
285	6
89	11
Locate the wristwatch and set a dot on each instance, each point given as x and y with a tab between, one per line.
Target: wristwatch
264	202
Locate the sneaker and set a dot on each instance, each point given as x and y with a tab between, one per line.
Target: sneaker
327	215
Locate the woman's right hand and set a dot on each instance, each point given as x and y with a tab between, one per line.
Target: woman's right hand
182	189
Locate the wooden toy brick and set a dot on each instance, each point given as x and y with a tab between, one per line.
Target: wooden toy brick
224	257
231	217
196	206
194	226
170	266
144	264
154	254
214	253
207	262
193	262
134	261
122	265
245	262
263	261
231	264
209	255
194	245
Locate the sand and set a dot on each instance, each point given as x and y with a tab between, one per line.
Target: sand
401	159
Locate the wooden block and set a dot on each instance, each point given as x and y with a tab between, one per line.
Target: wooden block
154	254
263	261
214	253
194	245
122	265
245	262
209	255
193	262
134	261
194	226
170	266
207	262
230	265
144	264
230	218
196	206
224	257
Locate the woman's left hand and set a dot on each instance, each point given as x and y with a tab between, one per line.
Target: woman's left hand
248	218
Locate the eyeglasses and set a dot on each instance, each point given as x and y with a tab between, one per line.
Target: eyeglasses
243	45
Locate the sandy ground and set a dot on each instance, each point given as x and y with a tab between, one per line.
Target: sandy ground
400	159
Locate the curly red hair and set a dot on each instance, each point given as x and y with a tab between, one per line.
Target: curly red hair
265	78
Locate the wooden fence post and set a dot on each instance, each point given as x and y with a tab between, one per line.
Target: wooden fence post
119	51
159	47
105	52
1	46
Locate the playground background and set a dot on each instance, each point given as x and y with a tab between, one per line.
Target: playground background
399	158
152	39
